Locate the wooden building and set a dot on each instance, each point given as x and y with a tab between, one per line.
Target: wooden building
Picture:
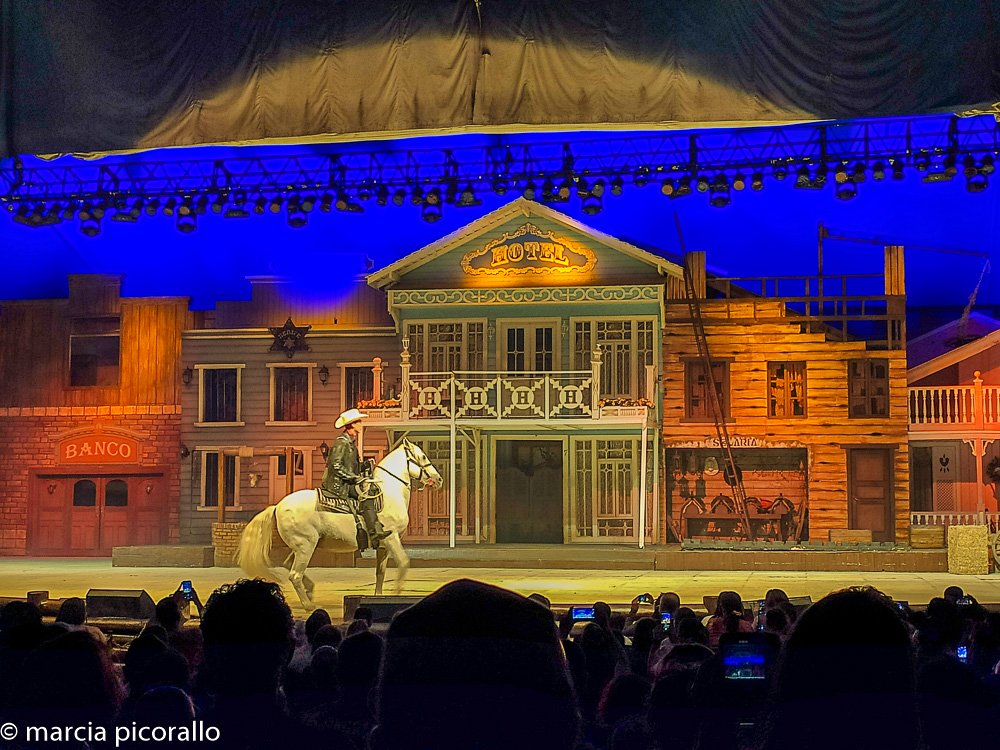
954	416
90	420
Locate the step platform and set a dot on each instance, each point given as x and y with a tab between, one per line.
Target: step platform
164	556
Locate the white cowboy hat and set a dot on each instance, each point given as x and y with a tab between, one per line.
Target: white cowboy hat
348	417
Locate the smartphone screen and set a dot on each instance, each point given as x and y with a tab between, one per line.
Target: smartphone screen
963	654
666	620
580	614
743	661
186	589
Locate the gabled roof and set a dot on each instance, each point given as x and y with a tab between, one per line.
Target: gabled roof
520	207
941	348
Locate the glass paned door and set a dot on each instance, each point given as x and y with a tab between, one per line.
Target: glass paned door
530	347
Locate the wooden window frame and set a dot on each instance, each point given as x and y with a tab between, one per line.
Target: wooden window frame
725	395
783	392
69	362
308	421
867	381
204	451
638	366
344	367
201	395
424	347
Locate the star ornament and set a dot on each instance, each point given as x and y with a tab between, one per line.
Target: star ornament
289	338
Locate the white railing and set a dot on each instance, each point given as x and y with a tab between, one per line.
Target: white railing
934	518
501	395
955	407
943	405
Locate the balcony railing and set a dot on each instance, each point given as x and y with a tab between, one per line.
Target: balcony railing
955	407
934	518
498	396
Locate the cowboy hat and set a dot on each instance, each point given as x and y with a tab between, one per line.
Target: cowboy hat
348	417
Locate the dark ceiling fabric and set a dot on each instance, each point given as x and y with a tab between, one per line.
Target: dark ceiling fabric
106	75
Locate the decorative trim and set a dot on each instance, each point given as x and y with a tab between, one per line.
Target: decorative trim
531	296
560	263
90	411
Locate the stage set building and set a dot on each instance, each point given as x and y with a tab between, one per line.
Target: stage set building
552	373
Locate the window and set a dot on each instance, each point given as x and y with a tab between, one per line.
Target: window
446	347
84	494
359	384
94	360
116	494
868	388
219	388
302	475
786	389
697	398
210	480
627	347
291	393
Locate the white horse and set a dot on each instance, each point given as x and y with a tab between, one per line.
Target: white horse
301	526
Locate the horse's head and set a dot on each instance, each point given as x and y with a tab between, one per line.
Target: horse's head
420	467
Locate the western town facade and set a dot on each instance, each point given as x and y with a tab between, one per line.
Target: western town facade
560	379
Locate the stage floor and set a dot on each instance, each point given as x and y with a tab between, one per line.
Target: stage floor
65	577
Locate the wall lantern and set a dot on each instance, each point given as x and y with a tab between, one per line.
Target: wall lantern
324	449
186	375
324	374
185	451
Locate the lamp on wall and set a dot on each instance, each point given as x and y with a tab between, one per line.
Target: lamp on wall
324	449
324	374
186	375
185	451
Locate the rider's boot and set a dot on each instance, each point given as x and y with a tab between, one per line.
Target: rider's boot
376	532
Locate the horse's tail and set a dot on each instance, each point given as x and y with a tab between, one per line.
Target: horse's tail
254	553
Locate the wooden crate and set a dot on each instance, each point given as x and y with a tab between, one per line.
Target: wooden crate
855	536
927	537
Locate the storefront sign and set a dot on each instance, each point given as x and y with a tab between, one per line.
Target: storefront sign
529	250
735	441
98	448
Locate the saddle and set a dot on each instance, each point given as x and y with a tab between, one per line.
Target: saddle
328	502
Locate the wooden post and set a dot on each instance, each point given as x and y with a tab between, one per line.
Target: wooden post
642	488
221	486
404	392
289	471
452	500
595	382
377	379
694	262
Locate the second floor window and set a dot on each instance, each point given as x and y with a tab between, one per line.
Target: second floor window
786	389
359	385
697	393
94	359
290	400
868	388
220	395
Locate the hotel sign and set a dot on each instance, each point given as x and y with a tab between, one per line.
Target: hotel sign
528	250
98	448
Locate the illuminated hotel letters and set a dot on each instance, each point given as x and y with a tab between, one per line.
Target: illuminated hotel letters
529	250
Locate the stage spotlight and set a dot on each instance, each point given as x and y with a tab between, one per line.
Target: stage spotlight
100	207
529	191
986	165
500	185
719	195
121	215
641	176
417	196
617	186
365	190
548	191
170	207
69	211
275	205
186	221
431	211
399	197
969	168
802	177
382	196
739	181
897	169
346	205
326	203
976	183
467	198
219	204
260	205
859	172
668	187
840	174
592	204
433	197
757	182
201	205
239	208
152	206
308	203
597	188
564	191
846	190
878	171
91	226
702	183
683	187
295	216
780	172
949	166
23	215
922	162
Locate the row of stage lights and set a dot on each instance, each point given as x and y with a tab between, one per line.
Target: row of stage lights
673	183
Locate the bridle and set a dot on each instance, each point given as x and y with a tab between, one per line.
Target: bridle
410	460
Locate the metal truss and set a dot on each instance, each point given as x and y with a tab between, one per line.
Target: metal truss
636	158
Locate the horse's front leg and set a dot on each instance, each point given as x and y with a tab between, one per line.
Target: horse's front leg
381	558
394	547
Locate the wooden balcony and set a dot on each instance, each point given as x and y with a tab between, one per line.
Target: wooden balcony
954	408
483	398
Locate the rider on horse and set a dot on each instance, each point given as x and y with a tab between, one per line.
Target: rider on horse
344	470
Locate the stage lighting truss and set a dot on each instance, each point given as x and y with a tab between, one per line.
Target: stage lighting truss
37	193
